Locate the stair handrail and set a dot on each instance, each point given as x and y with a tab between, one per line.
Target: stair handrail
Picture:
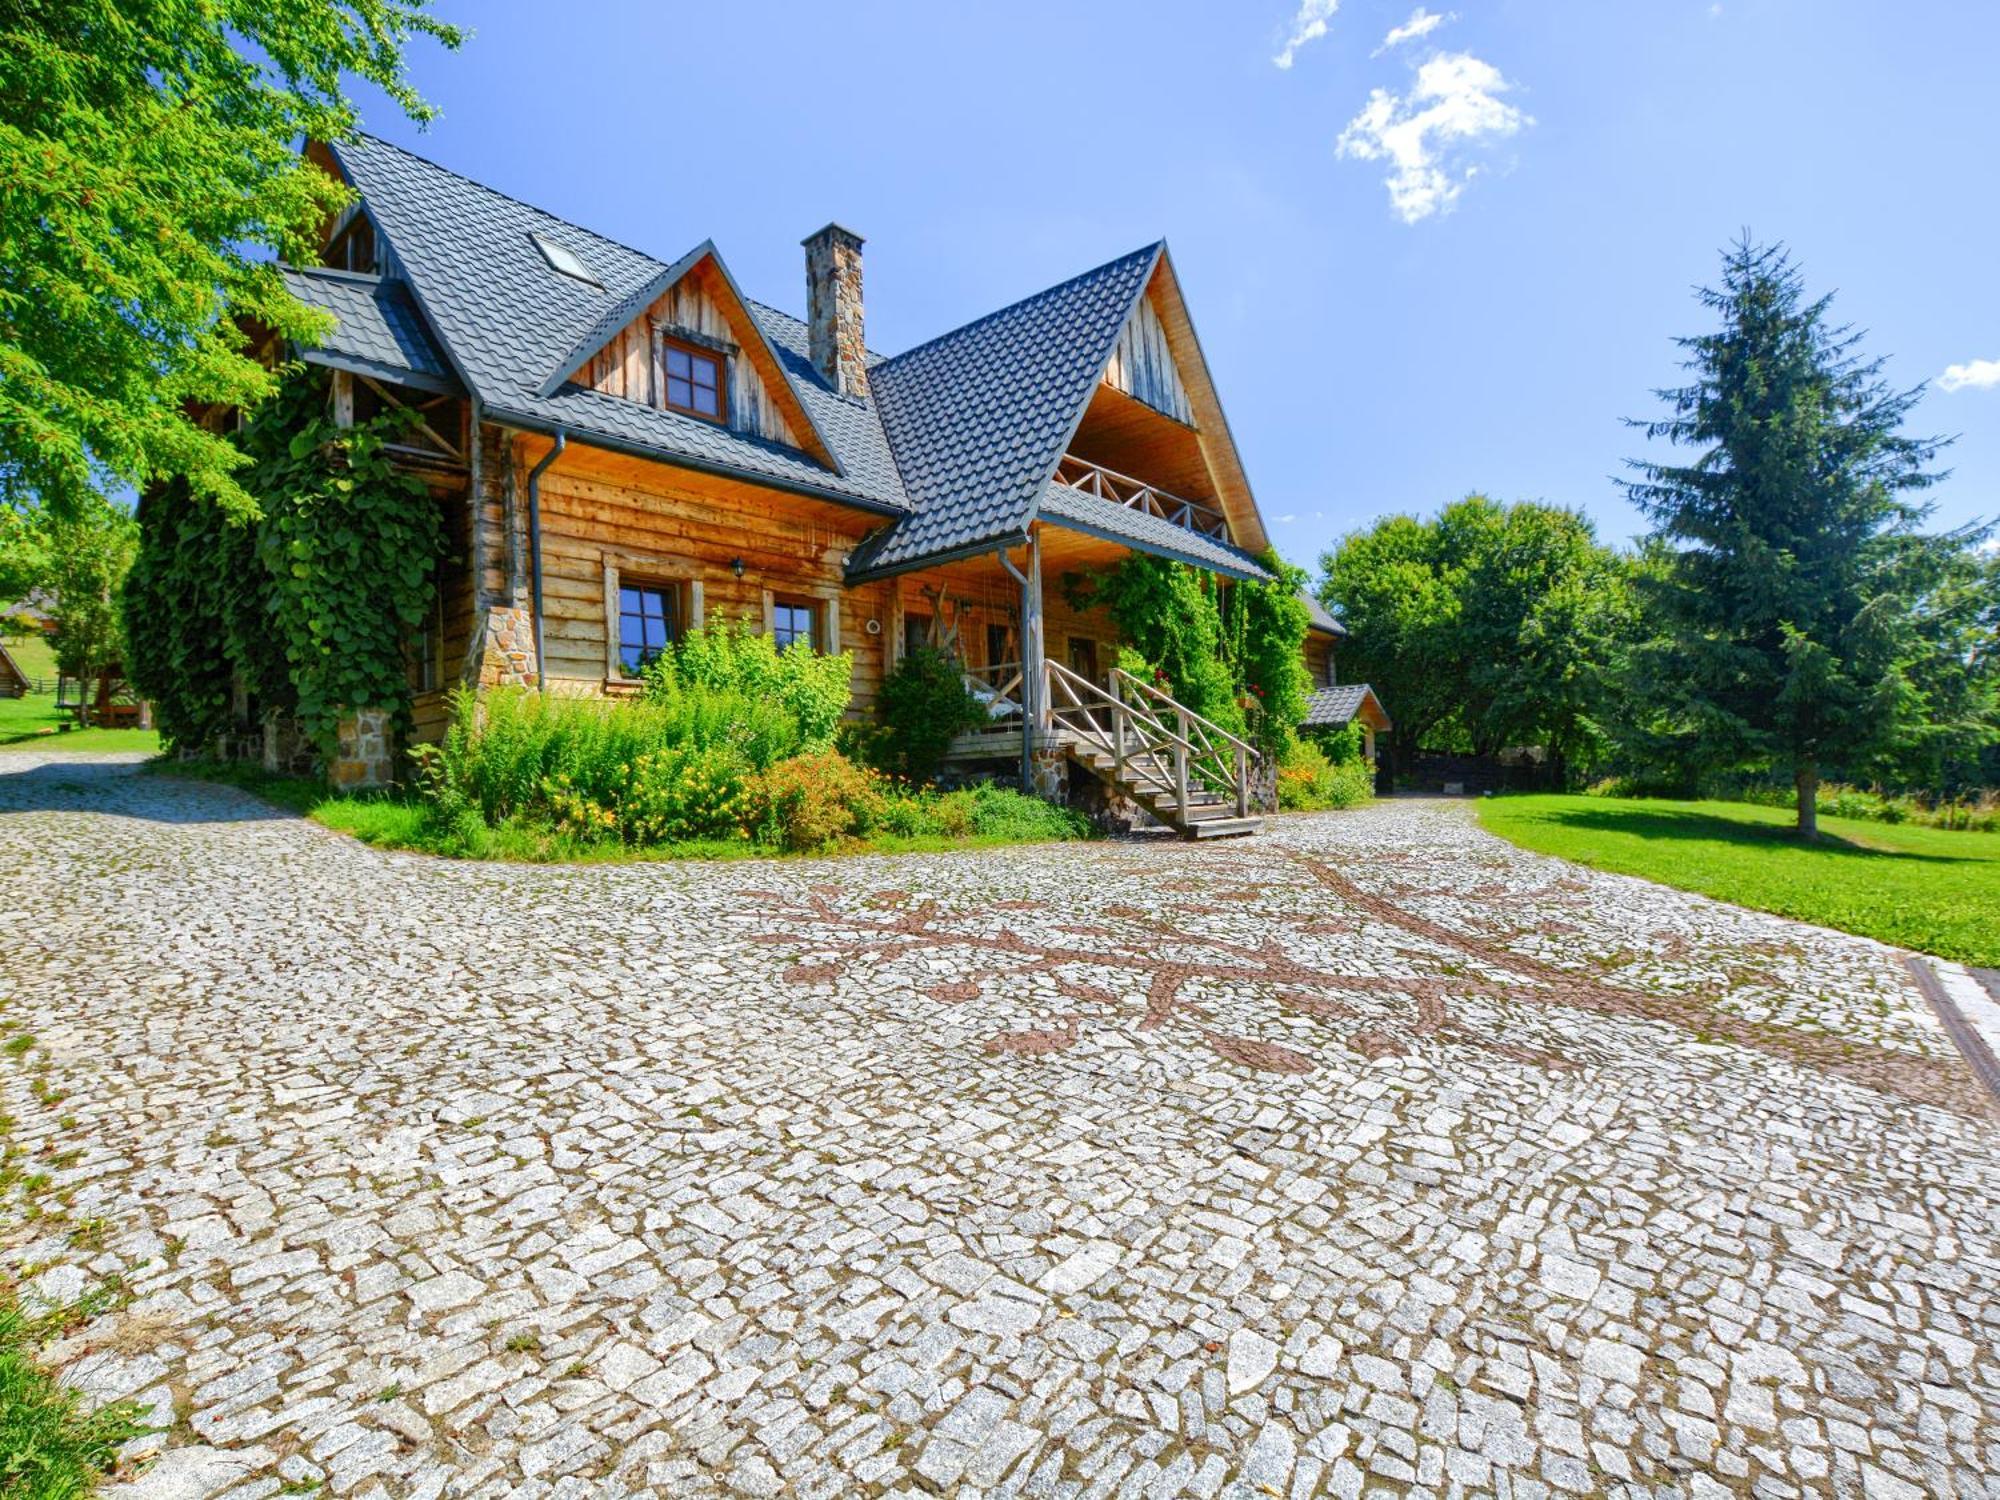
1235	777
1222	767
1133	734
1119	674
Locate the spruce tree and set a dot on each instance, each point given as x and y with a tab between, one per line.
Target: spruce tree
1784	642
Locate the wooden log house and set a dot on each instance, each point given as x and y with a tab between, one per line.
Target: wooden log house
627	448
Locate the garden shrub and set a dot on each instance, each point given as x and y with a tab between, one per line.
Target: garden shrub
811	801
1002	812
924	705
501	751
669	796
759	729
1310	781
730	657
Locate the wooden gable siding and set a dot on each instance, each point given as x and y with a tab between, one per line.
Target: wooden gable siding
661	524
1319	658
625	366
1142	365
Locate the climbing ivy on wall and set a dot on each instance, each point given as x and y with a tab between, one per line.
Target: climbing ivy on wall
1264	631
312	601
197	611
1169	614
1215	649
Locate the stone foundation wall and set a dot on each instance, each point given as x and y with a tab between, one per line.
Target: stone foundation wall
365	760
286	750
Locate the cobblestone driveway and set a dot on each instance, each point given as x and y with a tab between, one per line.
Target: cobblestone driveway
1369	1155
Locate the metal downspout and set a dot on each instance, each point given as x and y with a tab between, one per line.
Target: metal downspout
535	550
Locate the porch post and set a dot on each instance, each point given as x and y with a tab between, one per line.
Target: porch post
1034	694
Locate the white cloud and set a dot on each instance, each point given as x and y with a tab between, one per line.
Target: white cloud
1428	135
1287	519
1421	24
1973	375
1309	25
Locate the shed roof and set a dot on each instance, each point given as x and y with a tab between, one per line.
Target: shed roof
1330	707
377	328
1322	618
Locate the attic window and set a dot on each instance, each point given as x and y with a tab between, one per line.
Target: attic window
693	380
565	260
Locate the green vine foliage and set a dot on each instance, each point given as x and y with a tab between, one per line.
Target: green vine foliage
1170	615
350	543
313	601
1214	649
196	611
1264	630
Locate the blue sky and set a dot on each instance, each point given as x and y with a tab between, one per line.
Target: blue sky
1418	269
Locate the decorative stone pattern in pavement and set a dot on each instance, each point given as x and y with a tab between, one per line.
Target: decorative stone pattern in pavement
1370	1156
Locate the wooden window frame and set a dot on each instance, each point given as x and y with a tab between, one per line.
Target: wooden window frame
1070	643
428	652
637	570
825	607
716	357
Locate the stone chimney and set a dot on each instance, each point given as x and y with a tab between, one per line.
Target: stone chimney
833	308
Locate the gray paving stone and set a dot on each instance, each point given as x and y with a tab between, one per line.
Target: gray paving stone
1370	1152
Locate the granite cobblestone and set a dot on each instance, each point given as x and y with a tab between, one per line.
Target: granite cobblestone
1371	1156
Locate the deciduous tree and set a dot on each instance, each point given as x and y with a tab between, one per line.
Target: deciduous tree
149	171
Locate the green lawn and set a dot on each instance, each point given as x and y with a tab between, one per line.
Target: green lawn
1922	888
32	723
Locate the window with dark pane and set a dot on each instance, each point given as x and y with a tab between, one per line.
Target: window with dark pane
791	620
646	624
694	381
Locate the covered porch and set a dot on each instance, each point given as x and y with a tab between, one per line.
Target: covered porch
1044	660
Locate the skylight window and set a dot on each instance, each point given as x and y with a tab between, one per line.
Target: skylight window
565	260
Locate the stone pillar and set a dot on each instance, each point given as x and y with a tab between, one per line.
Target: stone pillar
365	759
1049	771
503	652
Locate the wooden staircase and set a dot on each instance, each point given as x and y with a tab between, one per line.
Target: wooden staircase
1187	771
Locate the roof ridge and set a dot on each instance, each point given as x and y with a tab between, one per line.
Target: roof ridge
487	187
1116	260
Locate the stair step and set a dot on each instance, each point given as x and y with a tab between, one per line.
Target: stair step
1225	828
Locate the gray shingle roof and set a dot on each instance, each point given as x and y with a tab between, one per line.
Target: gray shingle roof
1322	620
1065	506
957	440
1330	707
978	417
378	330
507	319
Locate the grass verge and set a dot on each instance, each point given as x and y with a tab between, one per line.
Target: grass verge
51	1446
396	821
1930	889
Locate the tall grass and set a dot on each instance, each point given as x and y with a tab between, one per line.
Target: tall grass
502	752
51	1448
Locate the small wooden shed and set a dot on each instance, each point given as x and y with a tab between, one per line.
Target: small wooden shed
13	681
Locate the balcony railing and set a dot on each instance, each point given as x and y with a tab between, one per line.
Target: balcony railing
1123	489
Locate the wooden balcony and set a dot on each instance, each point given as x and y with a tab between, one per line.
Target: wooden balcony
1123	489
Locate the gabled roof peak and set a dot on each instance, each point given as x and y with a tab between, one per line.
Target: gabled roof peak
1156	247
